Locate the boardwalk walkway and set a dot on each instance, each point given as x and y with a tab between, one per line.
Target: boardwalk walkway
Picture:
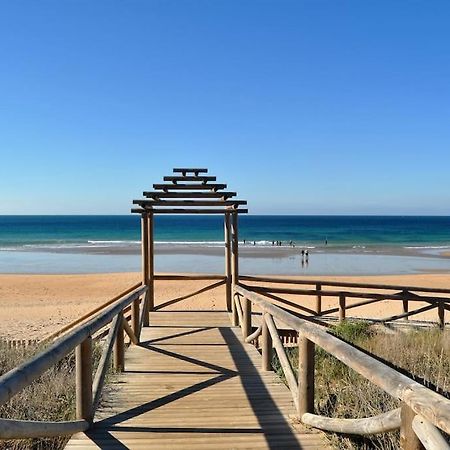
192	383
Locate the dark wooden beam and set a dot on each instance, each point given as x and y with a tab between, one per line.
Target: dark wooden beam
222	194
189	170
187	187
188	211
147	202
176	179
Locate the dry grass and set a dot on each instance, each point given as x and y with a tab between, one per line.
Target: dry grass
340	392
49	398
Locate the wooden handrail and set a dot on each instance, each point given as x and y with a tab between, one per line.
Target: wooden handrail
91	313
352	294
382	423
16	379
21	429
342	284
423	401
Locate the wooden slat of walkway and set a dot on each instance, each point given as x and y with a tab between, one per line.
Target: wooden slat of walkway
192	383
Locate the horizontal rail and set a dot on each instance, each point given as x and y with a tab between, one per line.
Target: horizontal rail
188	277
382	423
351	294
91	313
342	284
423	401
429	435
16	379
22	429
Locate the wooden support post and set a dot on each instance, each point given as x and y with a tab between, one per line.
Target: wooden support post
306	363
266	346
247	318
441	314
405	306
408	438
151	262
145	264
228	288
135	318
83	363
119	348
341	307
234	262
319	299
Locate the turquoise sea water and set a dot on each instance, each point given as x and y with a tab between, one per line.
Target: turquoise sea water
338	245
18	232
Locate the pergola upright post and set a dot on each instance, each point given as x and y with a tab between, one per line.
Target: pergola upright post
227	235
145	264
234	262
151	263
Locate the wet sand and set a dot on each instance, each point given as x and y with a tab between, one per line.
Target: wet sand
34	306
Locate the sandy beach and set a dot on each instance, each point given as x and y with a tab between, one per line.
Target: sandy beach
34	306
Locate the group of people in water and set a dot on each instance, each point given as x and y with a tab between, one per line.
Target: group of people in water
304	252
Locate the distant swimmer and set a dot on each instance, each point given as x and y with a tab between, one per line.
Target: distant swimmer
244	241
254	242
303	253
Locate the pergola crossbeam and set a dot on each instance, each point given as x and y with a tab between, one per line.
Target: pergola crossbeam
157	195
187	187
146	202
187	211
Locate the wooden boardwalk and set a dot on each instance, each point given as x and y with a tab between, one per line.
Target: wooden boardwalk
192	383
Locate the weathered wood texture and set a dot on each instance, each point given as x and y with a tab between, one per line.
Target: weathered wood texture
193	384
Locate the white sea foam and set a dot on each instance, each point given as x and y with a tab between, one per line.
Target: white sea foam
428	247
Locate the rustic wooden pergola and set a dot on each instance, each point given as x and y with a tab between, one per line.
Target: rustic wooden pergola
190	191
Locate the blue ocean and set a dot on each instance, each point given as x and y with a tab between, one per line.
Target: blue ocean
338	245
336	231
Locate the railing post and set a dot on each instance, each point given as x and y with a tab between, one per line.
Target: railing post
83	368
227	236
247	318
341	307
408	438
306	364
266	346
405	305
319	299
135	317
119	348
234	263
441	314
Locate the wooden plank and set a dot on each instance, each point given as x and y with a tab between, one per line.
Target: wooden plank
176	179
189	170
187	187
187	211
222	194
147	202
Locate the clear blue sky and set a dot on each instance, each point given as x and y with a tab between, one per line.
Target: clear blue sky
307	107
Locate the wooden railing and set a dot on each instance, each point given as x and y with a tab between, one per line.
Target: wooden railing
435	298
422	410
80	339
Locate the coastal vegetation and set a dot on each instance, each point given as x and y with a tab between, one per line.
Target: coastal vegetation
51	397
340	392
